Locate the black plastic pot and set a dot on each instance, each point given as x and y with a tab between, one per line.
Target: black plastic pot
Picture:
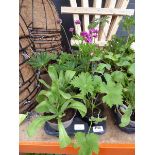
129	128
78	125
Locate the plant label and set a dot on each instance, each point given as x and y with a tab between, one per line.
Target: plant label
98	129
78	126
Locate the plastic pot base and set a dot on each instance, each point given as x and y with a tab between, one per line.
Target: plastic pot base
128	129
78	125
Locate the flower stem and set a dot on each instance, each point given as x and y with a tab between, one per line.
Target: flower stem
90	126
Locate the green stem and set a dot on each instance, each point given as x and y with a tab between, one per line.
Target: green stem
90	126
98	104
45	68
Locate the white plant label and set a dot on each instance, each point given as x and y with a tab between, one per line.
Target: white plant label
98	129
78	126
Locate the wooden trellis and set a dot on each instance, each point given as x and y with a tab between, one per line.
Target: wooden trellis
114	9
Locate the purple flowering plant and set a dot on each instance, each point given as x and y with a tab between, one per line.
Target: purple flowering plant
88	51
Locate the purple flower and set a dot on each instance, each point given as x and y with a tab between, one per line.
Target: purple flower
71	29
59	21
88	39
77	21
94	35
93	30
84	34
87	36
96	31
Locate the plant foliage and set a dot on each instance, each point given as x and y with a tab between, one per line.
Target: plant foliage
56	100
88	143
39	60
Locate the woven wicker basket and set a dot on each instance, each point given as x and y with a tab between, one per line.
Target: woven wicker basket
42	20
28	85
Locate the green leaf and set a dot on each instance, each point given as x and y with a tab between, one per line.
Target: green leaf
84	82
125	120
44	83
100	68
78	106
43	94
113	92
95	59
108	78
131	69
65	95
40	60
97	119
128	23
111	56
78	96
114	95
22	117
123	63
42	107
92	140
52	73
61	78
88	143
118	76
97	82
63	137
65	106
69	75
38	123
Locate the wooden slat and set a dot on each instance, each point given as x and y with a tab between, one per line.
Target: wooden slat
97	4
104	32
75	17
97	11
85	17
122	4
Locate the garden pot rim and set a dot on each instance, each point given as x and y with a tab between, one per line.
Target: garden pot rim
117	108
75	111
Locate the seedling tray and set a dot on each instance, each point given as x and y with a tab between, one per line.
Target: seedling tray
78	125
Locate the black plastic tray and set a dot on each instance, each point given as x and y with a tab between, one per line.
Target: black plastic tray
71	131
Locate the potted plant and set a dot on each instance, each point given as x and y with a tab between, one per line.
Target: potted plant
120	55
90	87
57	105
125	113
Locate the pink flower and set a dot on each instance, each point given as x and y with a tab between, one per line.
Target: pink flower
77	21
71	29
